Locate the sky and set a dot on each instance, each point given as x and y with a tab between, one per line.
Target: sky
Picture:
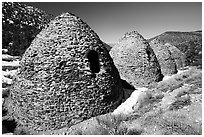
111	20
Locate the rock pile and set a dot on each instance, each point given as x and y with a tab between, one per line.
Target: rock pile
135	60
164	56
178	56
66	76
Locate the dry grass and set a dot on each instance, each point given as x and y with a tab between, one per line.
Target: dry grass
192	76
160	124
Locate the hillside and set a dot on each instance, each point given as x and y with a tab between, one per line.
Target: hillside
189	43
20	25
176	37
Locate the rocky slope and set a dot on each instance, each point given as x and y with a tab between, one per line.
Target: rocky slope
20	25
190	43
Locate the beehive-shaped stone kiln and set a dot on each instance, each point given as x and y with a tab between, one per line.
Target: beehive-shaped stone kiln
66	76
164	56
178	56
135	60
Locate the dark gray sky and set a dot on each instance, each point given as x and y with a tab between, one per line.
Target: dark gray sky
112	20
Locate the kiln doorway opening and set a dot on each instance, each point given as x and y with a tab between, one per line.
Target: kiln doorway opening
93	59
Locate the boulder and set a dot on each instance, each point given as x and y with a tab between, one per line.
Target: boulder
65	76
164	56
135	60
